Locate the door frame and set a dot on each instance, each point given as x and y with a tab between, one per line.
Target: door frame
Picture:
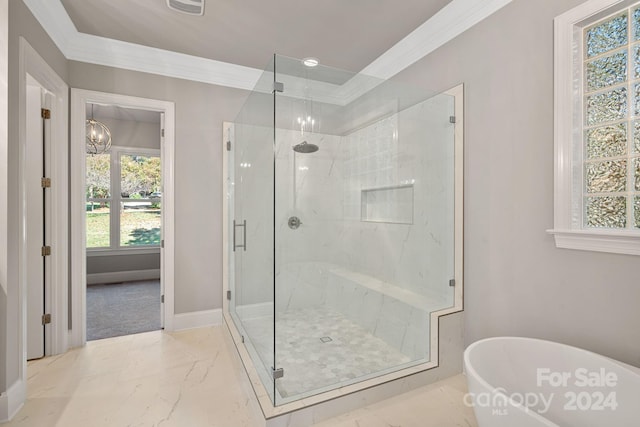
31	63
79	99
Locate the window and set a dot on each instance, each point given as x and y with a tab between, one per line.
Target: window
98	184
124	198
597	128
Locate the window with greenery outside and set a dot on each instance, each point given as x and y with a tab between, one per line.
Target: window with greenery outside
98	205
137	194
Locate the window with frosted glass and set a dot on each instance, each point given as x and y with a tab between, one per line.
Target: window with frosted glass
611	151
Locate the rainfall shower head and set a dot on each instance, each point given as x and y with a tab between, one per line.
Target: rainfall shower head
304	147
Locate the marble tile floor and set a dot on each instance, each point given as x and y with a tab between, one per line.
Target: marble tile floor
319	347
191	379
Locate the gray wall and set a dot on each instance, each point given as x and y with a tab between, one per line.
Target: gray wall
200	111
21	23
517	281
112	263
130	133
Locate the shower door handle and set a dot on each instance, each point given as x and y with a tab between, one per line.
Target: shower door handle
244	235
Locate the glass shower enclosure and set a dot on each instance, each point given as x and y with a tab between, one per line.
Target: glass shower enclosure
341	229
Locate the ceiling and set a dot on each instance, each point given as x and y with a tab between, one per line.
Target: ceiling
347	34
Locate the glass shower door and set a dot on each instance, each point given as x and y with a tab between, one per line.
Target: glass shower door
251	237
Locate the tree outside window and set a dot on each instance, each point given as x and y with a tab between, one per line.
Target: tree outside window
131	181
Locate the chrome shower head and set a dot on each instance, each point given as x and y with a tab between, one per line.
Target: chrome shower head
305	147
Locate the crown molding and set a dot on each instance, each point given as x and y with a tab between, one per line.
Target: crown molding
92	49
135	57
451	21
54	19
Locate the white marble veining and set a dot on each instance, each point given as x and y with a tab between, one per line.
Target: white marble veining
152	379
411	148
192	378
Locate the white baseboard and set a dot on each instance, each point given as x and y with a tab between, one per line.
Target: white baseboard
197	319
252	311
12	400
123	276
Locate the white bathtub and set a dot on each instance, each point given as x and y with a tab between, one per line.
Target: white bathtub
525	382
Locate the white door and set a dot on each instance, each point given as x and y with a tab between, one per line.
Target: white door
37	229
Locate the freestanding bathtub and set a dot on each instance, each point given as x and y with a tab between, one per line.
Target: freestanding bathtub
525	382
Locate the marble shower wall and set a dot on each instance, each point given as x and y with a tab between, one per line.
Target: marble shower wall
308	186
409	150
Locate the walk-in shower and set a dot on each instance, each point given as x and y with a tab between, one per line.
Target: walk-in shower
344	228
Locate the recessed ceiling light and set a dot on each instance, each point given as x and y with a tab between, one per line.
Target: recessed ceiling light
310	62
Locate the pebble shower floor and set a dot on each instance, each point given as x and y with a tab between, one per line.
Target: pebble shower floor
319	347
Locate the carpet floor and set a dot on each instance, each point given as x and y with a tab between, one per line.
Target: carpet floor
122	309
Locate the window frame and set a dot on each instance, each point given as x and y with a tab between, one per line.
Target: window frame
115	248
568	231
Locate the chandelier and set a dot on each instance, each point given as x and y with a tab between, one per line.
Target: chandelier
98	136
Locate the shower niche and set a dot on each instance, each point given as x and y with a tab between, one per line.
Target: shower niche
343	232
388	204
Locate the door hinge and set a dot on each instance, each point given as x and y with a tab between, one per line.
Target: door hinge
46	319
162	243
161	299
278	87
46	250
452	282
45	182
45	113
162	132
229	295
277	373
452	119
228	145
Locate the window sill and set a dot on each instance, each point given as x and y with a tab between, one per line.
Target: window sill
123	251
598	240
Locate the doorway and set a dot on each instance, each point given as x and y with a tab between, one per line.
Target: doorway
121	216
123	221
